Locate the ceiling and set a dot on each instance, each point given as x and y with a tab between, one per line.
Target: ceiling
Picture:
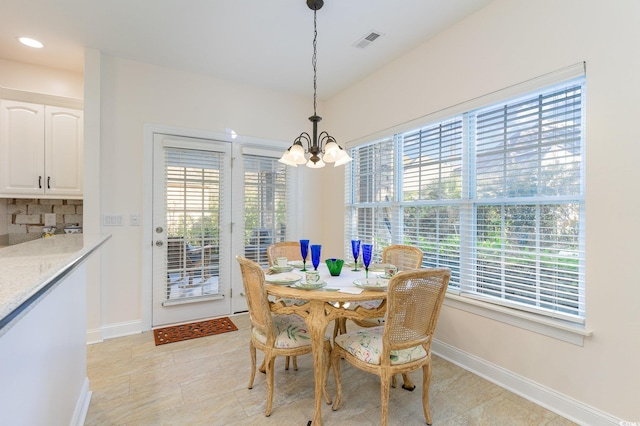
264	43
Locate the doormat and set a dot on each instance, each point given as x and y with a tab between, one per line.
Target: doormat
178	333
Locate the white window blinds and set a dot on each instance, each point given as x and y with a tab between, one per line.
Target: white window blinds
194	180
529	217
371	192
265	205
496	194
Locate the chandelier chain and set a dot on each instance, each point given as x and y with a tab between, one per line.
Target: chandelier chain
313	61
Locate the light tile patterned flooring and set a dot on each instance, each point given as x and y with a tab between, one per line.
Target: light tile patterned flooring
204	382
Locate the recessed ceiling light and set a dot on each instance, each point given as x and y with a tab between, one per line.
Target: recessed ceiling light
30	42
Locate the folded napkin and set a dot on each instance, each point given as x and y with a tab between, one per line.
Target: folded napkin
350	290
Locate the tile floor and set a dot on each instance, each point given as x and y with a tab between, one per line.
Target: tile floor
204	382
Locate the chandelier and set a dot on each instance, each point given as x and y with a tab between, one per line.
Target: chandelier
321	148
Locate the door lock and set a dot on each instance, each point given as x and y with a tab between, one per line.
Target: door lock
159	243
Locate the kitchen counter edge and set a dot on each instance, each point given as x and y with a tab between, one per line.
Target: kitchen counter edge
64	252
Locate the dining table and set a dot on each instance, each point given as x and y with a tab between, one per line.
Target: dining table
320	306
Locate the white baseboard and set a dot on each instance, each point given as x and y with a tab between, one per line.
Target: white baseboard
114	330
94	336
82	405
548	398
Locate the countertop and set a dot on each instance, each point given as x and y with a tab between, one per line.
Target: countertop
29	270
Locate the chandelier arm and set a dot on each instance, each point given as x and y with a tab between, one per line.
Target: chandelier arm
304	136
323	139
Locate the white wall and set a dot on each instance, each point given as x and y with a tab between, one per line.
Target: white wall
506	43
135	94
48	81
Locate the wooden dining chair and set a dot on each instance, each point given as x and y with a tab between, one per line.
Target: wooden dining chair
274	335
403	343
288	249
405	258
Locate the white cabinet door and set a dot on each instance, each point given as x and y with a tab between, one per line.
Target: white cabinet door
63	152
41	150
21	148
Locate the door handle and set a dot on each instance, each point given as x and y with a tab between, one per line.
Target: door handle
159	243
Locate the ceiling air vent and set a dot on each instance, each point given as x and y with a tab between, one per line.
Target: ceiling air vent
368	39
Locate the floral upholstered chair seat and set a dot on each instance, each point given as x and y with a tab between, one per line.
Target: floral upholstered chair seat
290	332
366	345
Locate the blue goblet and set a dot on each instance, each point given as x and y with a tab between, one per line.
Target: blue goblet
367	250
304	251
315	255
355	251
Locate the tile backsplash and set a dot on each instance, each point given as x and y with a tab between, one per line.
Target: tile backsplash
25	217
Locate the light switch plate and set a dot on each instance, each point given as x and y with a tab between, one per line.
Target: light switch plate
49	219
112	220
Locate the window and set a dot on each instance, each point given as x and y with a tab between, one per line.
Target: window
265	205
495	193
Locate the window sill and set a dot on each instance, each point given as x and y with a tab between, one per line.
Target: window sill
557	329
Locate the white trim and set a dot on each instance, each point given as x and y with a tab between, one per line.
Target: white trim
261	152
196	299
82	405
559	403
518	89
557	329
40	98
122	329
94	336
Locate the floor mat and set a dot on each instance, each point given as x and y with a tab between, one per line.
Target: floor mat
178	333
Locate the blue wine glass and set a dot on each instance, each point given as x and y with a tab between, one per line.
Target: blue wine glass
304	251
367	250
315	255
355	250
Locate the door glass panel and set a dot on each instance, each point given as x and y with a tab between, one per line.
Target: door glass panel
265	205
193	199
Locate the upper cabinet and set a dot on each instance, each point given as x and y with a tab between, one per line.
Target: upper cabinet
40	151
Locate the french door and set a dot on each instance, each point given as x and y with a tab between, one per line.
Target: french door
191	229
